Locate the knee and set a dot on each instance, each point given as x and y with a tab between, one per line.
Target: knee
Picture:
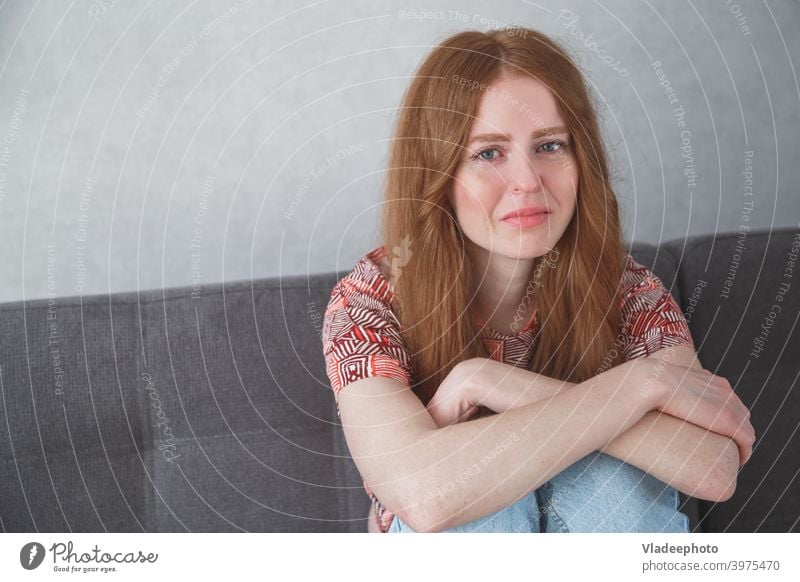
602	493
521	516
398	526
596	467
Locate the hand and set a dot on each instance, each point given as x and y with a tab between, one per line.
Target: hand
699	397
450	404
494	387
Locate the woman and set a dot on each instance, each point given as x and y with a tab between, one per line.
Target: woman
508	366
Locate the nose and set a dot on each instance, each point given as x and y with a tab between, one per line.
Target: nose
524	178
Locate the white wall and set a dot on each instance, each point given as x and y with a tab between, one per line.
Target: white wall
122	128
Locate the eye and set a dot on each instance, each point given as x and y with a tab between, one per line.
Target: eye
480	155
561	145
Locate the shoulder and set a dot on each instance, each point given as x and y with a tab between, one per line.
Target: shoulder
652	319
641	287
362	298
361	335
367	278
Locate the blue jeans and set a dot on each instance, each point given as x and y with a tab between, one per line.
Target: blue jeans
599	493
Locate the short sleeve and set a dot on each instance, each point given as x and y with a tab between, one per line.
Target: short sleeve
651	318
360	334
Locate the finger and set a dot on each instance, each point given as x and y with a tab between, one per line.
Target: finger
744	452
743	442
745	409
738	407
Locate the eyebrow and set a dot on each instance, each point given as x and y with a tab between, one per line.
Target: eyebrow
505	137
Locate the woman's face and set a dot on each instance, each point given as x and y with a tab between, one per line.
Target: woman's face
509	165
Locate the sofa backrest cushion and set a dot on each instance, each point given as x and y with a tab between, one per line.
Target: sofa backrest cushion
161	411
741	294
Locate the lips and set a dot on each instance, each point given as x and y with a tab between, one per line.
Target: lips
522	212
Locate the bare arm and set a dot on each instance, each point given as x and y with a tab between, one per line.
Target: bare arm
438	478
696	461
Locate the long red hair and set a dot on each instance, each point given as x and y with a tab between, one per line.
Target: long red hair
577	297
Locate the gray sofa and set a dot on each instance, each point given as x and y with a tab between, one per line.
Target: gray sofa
168	411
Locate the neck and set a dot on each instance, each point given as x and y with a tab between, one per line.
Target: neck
501	284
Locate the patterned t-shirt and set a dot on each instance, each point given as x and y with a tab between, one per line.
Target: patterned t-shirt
361	334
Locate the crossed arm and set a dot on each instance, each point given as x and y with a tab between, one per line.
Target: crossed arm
693	460
696	461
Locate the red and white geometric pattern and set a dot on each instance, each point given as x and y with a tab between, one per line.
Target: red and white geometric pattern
361	334
652	319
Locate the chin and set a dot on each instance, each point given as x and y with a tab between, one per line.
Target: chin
528	247
524	253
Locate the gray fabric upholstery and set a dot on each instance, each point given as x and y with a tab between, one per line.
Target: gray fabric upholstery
214	413
724	328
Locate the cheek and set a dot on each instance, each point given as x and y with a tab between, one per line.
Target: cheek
563	185
475	196
465	210
471	212
571	177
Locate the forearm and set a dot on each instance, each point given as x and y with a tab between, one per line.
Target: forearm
501	387
695	461
492	462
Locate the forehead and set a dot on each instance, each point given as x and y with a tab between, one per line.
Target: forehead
520	103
